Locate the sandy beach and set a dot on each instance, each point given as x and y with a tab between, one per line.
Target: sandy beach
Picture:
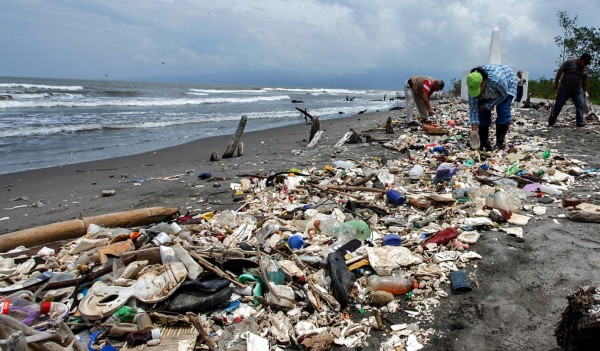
521	283
167	177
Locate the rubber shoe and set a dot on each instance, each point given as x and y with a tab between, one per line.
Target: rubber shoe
193	300
474	140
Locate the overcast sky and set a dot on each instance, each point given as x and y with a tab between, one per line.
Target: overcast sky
384	40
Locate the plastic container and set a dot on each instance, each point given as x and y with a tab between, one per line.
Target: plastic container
391	284
395	198
161	239
392	239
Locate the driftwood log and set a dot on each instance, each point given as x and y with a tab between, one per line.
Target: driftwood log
579	326
77	227
314	128
233	143
388	126
354	138
585	212
306	114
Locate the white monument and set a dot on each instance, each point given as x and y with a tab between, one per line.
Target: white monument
495	57
495	51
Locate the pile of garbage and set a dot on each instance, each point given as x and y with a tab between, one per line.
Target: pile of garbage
312	258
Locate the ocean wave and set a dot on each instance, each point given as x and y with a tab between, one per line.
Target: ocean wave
138	102
121	92
174	119
228	91
41	86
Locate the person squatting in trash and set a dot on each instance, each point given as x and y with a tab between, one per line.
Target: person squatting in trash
490	86
572	75
418	91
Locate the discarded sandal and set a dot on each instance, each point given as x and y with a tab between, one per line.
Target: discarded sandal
158	283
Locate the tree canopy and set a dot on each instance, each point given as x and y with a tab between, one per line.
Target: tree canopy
576	40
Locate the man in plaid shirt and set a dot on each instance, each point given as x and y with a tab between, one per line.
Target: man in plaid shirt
490	86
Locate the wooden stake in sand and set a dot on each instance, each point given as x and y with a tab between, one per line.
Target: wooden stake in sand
235	140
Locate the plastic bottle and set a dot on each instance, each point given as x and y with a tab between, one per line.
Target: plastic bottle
395	197
334	228
344	164
143	336
391	284
505	203
550	189
160	239
546	154
124	314
363	230
31	313
266	230
274	273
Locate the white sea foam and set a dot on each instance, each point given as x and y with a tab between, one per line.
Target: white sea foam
228	91
138	102
40	86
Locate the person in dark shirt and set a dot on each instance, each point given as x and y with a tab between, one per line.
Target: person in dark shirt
520	87
572	75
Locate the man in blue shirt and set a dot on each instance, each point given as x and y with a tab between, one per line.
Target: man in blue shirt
490	86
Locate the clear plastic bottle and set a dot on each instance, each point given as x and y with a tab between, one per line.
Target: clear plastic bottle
391	284
274	273
333	228
32	313
266	230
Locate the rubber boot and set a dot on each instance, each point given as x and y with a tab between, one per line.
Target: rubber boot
501	130
484	134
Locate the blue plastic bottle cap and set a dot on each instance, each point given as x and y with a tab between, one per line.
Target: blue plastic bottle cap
296	242
204	175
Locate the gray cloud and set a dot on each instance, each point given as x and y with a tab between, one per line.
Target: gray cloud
130	39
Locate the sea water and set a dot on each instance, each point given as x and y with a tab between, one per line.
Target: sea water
50	122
